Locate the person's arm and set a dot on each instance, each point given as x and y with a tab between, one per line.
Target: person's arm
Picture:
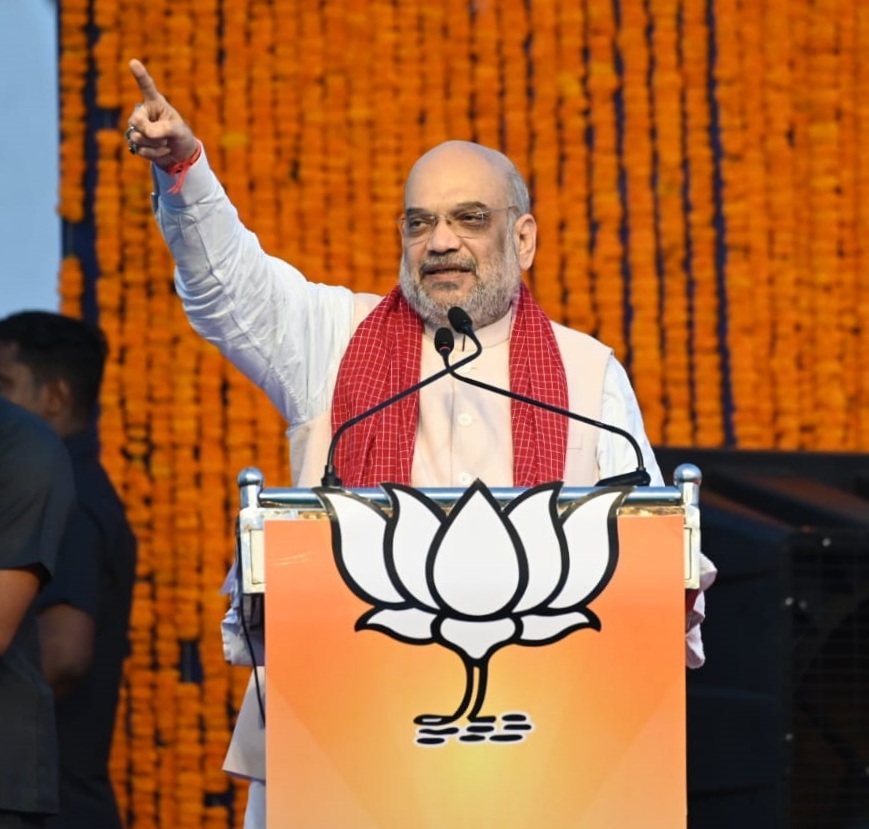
620	407
66	639
285	333
18	589
36	495
69	605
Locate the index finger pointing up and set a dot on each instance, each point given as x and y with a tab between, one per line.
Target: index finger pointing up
146	83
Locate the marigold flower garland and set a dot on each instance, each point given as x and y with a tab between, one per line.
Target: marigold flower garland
847	291
72	68
860	437
517	117
486	94
543	157
457	86
825	381
606	213
667	91
745	290
573	191
705	345
645	358
758	342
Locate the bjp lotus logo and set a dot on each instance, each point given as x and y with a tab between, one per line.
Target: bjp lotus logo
477	578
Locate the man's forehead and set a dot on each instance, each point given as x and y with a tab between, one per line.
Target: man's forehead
453	176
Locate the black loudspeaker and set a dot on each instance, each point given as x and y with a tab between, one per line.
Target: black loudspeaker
778	719
737	704
829	775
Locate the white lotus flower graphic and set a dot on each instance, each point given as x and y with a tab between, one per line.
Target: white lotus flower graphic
478	578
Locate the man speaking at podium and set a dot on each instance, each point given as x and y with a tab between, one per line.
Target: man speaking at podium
324	354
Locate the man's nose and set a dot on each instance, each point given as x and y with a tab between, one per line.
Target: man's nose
443	237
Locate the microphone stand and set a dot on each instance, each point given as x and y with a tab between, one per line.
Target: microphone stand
460	320
444	344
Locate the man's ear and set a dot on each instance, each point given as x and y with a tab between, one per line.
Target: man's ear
525	237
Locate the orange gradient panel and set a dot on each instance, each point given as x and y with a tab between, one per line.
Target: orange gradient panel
607	747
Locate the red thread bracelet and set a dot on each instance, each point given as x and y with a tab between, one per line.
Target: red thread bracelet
179	171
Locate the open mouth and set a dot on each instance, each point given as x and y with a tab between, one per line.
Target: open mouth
445	270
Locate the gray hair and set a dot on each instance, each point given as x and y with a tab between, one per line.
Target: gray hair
518	190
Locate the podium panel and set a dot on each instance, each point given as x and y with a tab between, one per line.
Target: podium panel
584	732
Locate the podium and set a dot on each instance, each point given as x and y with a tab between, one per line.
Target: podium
472	658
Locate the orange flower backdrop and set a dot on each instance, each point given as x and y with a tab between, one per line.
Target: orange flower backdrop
701	197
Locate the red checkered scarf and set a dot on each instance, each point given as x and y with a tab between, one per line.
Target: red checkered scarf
383	357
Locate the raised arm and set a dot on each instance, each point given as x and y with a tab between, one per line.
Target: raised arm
284	332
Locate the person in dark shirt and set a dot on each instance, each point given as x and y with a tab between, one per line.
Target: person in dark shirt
53	366
36	496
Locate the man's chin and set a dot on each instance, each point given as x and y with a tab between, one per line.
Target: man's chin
444	296
433	300
442	288
432	311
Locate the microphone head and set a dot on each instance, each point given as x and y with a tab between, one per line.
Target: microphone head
444	341
460	320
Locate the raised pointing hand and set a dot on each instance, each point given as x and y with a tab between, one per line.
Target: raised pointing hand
155	130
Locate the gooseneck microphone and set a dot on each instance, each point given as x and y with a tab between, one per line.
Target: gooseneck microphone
444	343
461	322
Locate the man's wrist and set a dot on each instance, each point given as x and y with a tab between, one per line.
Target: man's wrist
179	171
196	183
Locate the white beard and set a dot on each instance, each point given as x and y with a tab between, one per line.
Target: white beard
494	289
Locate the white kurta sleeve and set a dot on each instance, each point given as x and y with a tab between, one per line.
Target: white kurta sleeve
285	333
620	408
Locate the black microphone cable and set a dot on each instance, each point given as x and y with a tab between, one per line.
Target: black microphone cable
444	345
462	323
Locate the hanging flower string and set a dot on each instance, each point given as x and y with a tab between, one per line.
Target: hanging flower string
606	205
645	357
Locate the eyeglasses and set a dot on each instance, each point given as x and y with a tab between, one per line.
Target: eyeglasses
467	223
